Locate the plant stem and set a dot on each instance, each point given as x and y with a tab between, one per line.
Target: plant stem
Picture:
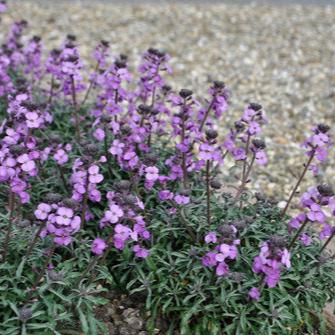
297	234
75	108
90	85
298	182
246	159
51	92
42	272
245	177
208	193
107	152
183	155
11	203
62	176
89	267
85	199
328	241
33	242
206	115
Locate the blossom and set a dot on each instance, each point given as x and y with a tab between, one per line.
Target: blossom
64	216
151	173
181	199
114	214
211	237
94	176
61	156
98	246
254	293
117	148
42	211
99	134
140	252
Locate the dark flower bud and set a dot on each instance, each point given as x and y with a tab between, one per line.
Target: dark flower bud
323	259
55	53
123	57
24	223
155	111
72	59
238	277
17	149
123	185
184	191
166	88
323	128
91	149
54	138
24	23
156	52
259	144
277	241
36	38
211	134
105	118
55	276
240	225
255	106
53	198
260	196
104	43
125	129
151	159
227	231
215	184
219	84
120	64
129	199
70	203
239	126
192	252
185	93
325	190
144	109
71	37
25	314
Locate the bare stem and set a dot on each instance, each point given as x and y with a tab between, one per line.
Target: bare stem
11	203
296	236
206	115
328	241
75	108
85	199
33	242
298	182
208	193
90	86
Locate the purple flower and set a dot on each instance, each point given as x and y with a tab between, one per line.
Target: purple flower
151	173
98	246
140	252
61	156
117	148
255	294
305	239
113	214
64	216
94	176
222	269
211	237
42	211
99	134
181	199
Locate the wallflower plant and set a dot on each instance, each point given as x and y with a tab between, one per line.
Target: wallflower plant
115	183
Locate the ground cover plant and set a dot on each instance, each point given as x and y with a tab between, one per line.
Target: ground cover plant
121	182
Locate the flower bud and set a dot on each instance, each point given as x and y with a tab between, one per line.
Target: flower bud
255	106
211	134
144	109
325	190
323	128
55	276
185	93
215	184
259	144
52	198
277	241
123	185
25	314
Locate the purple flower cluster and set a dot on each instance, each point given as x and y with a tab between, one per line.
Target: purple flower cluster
59	221
225	249
272	258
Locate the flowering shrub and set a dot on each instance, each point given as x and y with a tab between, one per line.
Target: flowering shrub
115	184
